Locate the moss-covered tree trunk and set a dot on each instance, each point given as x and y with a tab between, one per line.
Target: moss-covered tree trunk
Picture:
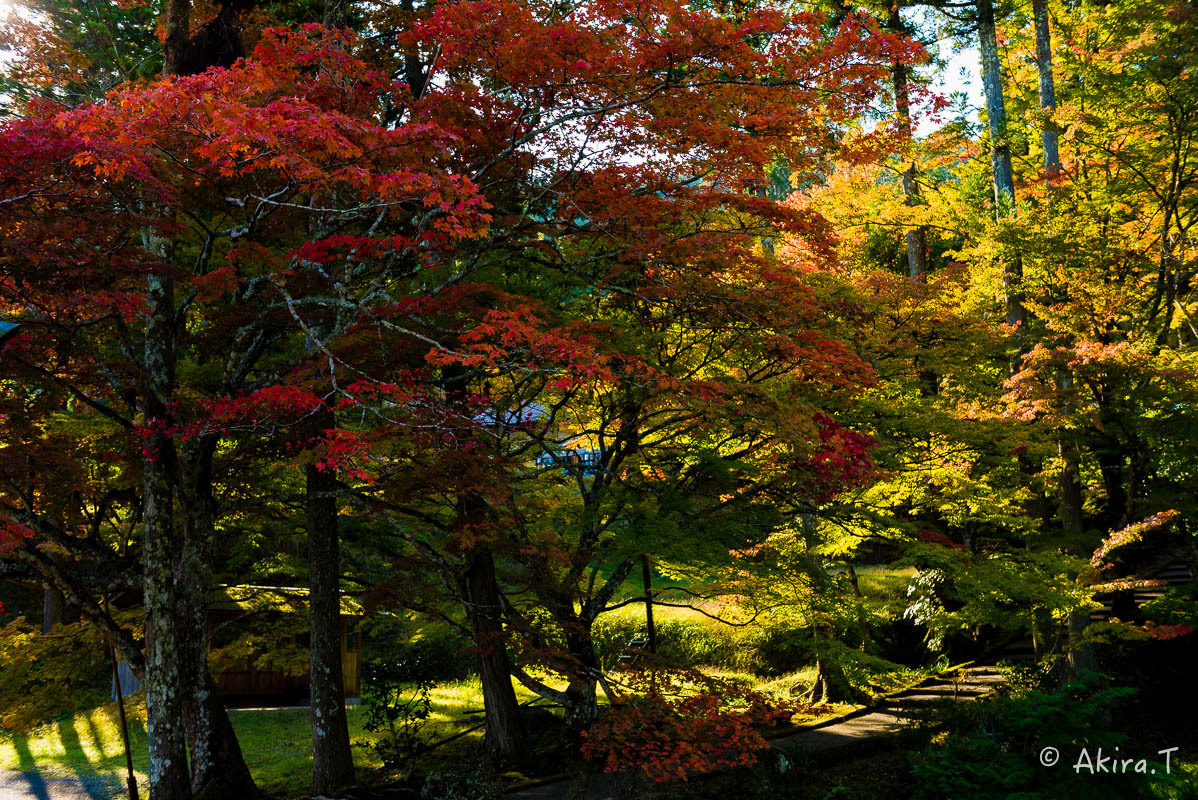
1048	95
218	769
1000	156
169	778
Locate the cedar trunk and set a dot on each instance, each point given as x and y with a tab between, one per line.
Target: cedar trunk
1048	98
917	238
332	759
1000	155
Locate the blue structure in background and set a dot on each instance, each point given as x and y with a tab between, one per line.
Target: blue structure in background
584	462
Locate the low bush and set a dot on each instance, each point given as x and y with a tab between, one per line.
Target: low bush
993	749
45	676
675	723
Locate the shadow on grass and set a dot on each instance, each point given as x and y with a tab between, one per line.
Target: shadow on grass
29	768
98	787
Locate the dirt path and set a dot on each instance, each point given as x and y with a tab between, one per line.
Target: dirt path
34	786
848	736
893	716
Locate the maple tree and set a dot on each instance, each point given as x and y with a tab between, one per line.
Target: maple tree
258	142
636	320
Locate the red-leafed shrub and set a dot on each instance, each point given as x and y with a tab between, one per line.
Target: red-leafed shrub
669	735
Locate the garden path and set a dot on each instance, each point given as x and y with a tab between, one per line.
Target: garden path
850	735
16	785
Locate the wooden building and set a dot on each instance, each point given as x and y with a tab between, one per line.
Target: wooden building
257	639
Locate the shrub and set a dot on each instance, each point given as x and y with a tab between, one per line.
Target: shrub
671	730
42	677
993	746
463	782
774	650
395	695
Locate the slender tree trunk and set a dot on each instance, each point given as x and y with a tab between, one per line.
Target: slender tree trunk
332	758
505	738
164	701
1081	653
1071	491
647	581
1114	474
1048	98
917	238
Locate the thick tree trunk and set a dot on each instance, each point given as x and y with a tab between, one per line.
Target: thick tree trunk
582	702
830	685
505	737
1048	97
52	603
178	30
218	769
332	764
164	703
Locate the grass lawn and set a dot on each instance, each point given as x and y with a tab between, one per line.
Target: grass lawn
276	742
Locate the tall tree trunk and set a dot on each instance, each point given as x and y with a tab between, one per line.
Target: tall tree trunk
917	238
505	737
332	758
218	769
1082	657
1048	97
1000	156
164	702
1071	491
996	109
